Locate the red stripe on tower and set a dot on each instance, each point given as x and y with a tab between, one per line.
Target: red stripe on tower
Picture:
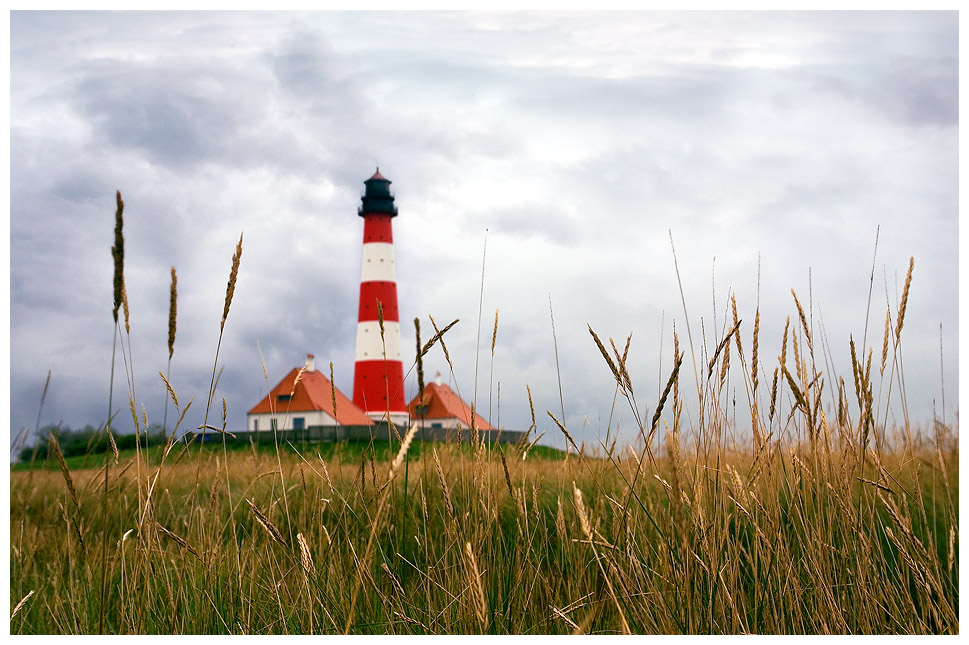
378	376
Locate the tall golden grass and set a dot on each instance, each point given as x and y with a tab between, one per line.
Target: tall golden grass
824	522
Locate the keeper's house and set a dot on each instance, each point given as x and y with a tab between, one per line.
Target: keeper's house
442	408
306	409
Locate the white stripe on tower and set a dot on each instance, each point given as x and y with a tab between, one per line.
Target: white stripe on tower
378	263
371	347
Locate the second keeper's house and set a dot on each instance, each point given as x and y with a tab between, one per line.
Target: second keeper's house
442	408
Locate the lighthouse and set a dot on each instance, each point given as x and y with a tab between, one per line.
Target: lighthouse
378	375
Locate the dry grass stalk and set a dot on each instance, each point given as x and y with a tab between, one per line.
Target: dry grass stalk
124	305
55	447
23	601
587	530
494	334
504	465
420	364
206	426
111	442
134	411
560	529
531	445
754	380
736	323
720	348
531	408
676	467
117	252
798	397
951	553
332	390
676	384
798	370
904	302
299	377
674	375
267	524
178	540
326	473
380	318
804	322
444	487
439	335
71	523
602	350
262	361
172	313
404	446
783	357
581	512
627	383
564	431
753	353
888	323
856	371
305	559
568	621
478	598
725	364
230	288
398	588
523	443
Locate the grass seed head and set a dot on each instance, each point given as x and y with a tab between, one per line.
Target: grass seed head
230	287
266	523
888	324
305	559
124	305
172	313
117	253
494	334
332	390
904	302
55	448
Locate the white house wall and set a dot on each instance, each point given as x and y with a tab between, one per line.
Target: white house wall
284	420
450	423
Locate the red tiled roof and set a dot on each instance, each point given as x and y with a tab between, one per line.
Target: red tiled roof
312	393
443	403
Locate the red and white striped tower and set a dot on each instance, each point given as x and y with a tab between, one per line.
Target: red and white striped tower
378	377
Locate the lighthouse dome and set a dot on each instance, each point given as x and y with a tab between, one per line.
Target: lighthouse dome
377	199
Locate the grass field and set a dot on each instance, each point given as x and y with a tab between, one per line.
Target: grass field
455	543
822	522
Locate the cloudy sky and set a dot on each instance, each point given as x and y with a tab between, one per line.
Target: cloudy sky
568	152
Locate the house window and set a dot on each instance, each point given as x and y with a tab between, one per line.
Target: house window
437	425
272	423
282	398
255	425
298	423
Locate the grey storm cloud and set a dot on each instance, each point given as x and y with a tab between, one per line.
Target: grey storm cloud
564	155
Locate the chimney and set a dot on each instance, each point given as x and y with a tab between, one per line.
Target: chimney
309	363
437	378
